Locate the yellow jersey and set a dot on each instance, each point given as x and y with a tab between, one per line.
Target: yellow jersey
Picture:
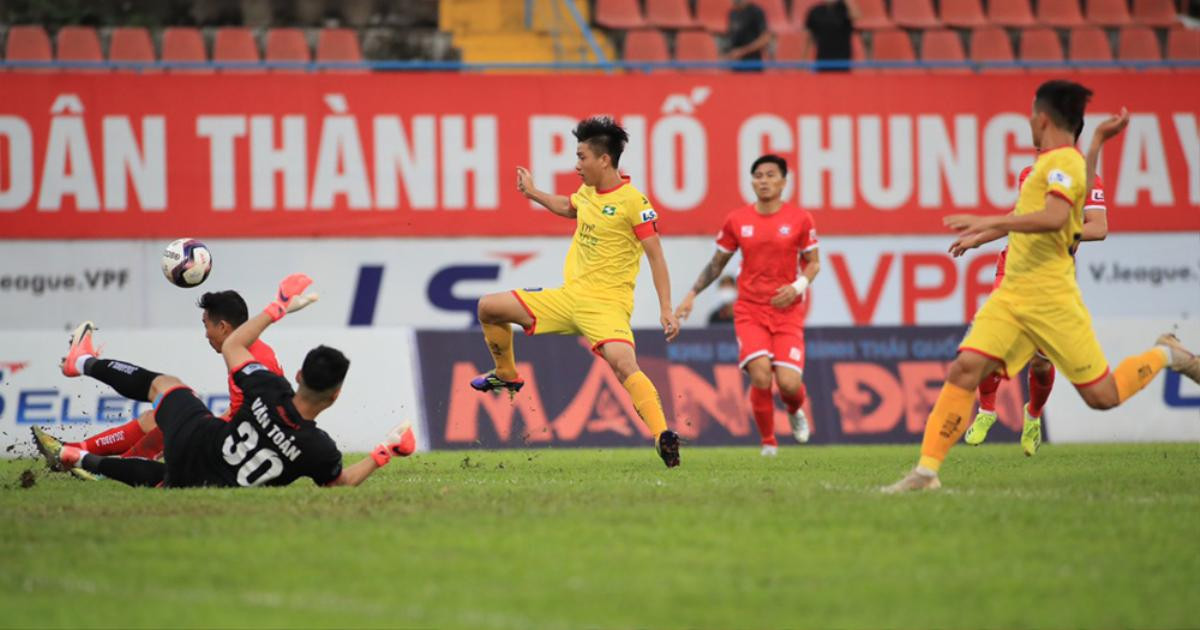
606	252
1043	261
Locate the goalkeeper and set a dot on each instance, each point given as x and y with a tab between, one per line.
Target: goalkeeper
271	441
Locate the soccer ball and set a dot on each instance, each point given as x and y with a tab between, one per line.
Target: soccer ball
186	262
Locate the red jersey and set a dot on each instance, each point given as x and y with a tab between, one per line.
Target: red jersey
262	354
771	248
1094	202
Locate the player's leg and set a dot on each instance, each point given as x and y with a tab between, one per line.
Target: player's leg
762	403
497	313
986	417
620	355
130	381
996	341
788	362
132	471
151	445
1041	381
1136	372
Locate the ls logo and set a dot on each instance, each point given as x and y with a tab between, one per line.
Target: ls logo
440	291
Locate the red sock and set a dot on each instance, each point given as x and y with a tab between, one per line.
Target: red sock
1039	391
764	413
987	393
114	441
149	447
794	402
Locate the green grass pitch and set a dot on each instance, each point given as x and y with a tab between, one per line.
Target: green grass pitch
1081	536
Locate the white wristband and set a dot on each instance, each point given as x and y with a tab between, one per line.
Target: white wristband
801	285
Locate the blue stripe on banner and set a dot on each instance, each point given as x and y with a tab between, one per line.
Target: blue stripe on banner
366	294
1173	392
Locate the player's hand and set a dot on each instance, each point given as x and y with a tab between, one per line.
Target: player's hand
784	296
964	243
965	222
684	310
524	182
291	296
1112	127
401	441
670	324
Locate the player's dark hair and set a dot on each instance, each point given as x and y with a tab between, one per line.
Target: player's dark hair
603	135
1064	102
324	368
770	158
224	306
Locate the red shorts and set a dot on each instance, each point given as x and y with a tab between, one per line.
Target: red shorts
763	330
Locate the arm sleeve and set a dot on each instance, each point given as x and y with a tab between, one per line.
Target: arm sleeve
327	464
643	218
809	240
1066	176
727	238
1095	200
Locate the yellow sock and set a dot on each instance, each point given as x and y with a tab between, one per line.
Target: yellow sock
646	401
500	343
946	424
1137	371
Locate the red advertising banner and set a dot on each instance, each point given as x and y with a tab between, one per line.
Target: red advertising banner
121	155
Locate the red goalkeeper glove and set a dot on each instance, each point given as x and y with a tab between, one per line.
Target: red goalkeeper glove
291	296
400	441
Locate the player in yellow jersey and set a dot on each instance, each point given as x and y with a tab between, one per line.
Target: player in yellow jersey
615	224
1038	304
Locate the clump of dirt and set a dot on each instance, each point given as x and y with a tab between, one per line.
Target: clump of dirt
28	478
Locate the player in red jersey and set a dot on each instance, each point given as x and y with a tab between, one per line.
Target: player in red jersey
779	261
1041	370
223	312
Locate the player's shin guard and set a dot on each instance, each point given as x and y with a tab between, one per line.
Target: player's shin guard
646	401
133	472
763	406
794	402
987	392
1039	391
499	339
127	379
1137	371
114	441
945	425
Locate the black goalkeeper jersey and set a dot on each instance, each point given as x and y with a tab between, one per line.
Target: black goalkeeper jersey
268	443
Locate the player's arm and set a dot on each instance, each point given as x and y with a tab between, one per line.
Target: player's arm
558	204
291	297
711	272
356	473
1050	219
1095	225
789	293
974	239
662	284
1105	131
399	442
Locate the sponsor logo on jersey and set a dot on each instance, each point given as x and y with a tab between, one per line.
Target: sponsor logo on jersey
1097	195
785	230
252	368
1058	177
795	354
747	230
649	215
609	211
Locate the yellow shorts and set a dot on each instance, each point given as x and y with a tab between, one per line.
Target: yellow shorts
1010	329
562	312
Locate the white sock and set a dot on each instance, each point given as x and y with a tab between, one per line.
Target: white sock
1166	353
925	472
79	363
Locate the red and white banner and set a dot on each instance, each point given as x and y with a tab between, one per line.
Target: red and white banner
271	155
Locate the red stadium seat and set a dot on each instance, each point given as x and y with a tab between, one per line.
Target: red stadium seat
777	18
80	43
287	45
713	15
1041	44
669	14
234	44
914	14
1010	13
131	44
794	47
963	13
992	44
1060	13
1183	45
696	46
339	45
1108	12
646	45
619	14
893	45
28	43
184	45
1155	12
858	54
943	45
1090	43
1138	43
872	15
